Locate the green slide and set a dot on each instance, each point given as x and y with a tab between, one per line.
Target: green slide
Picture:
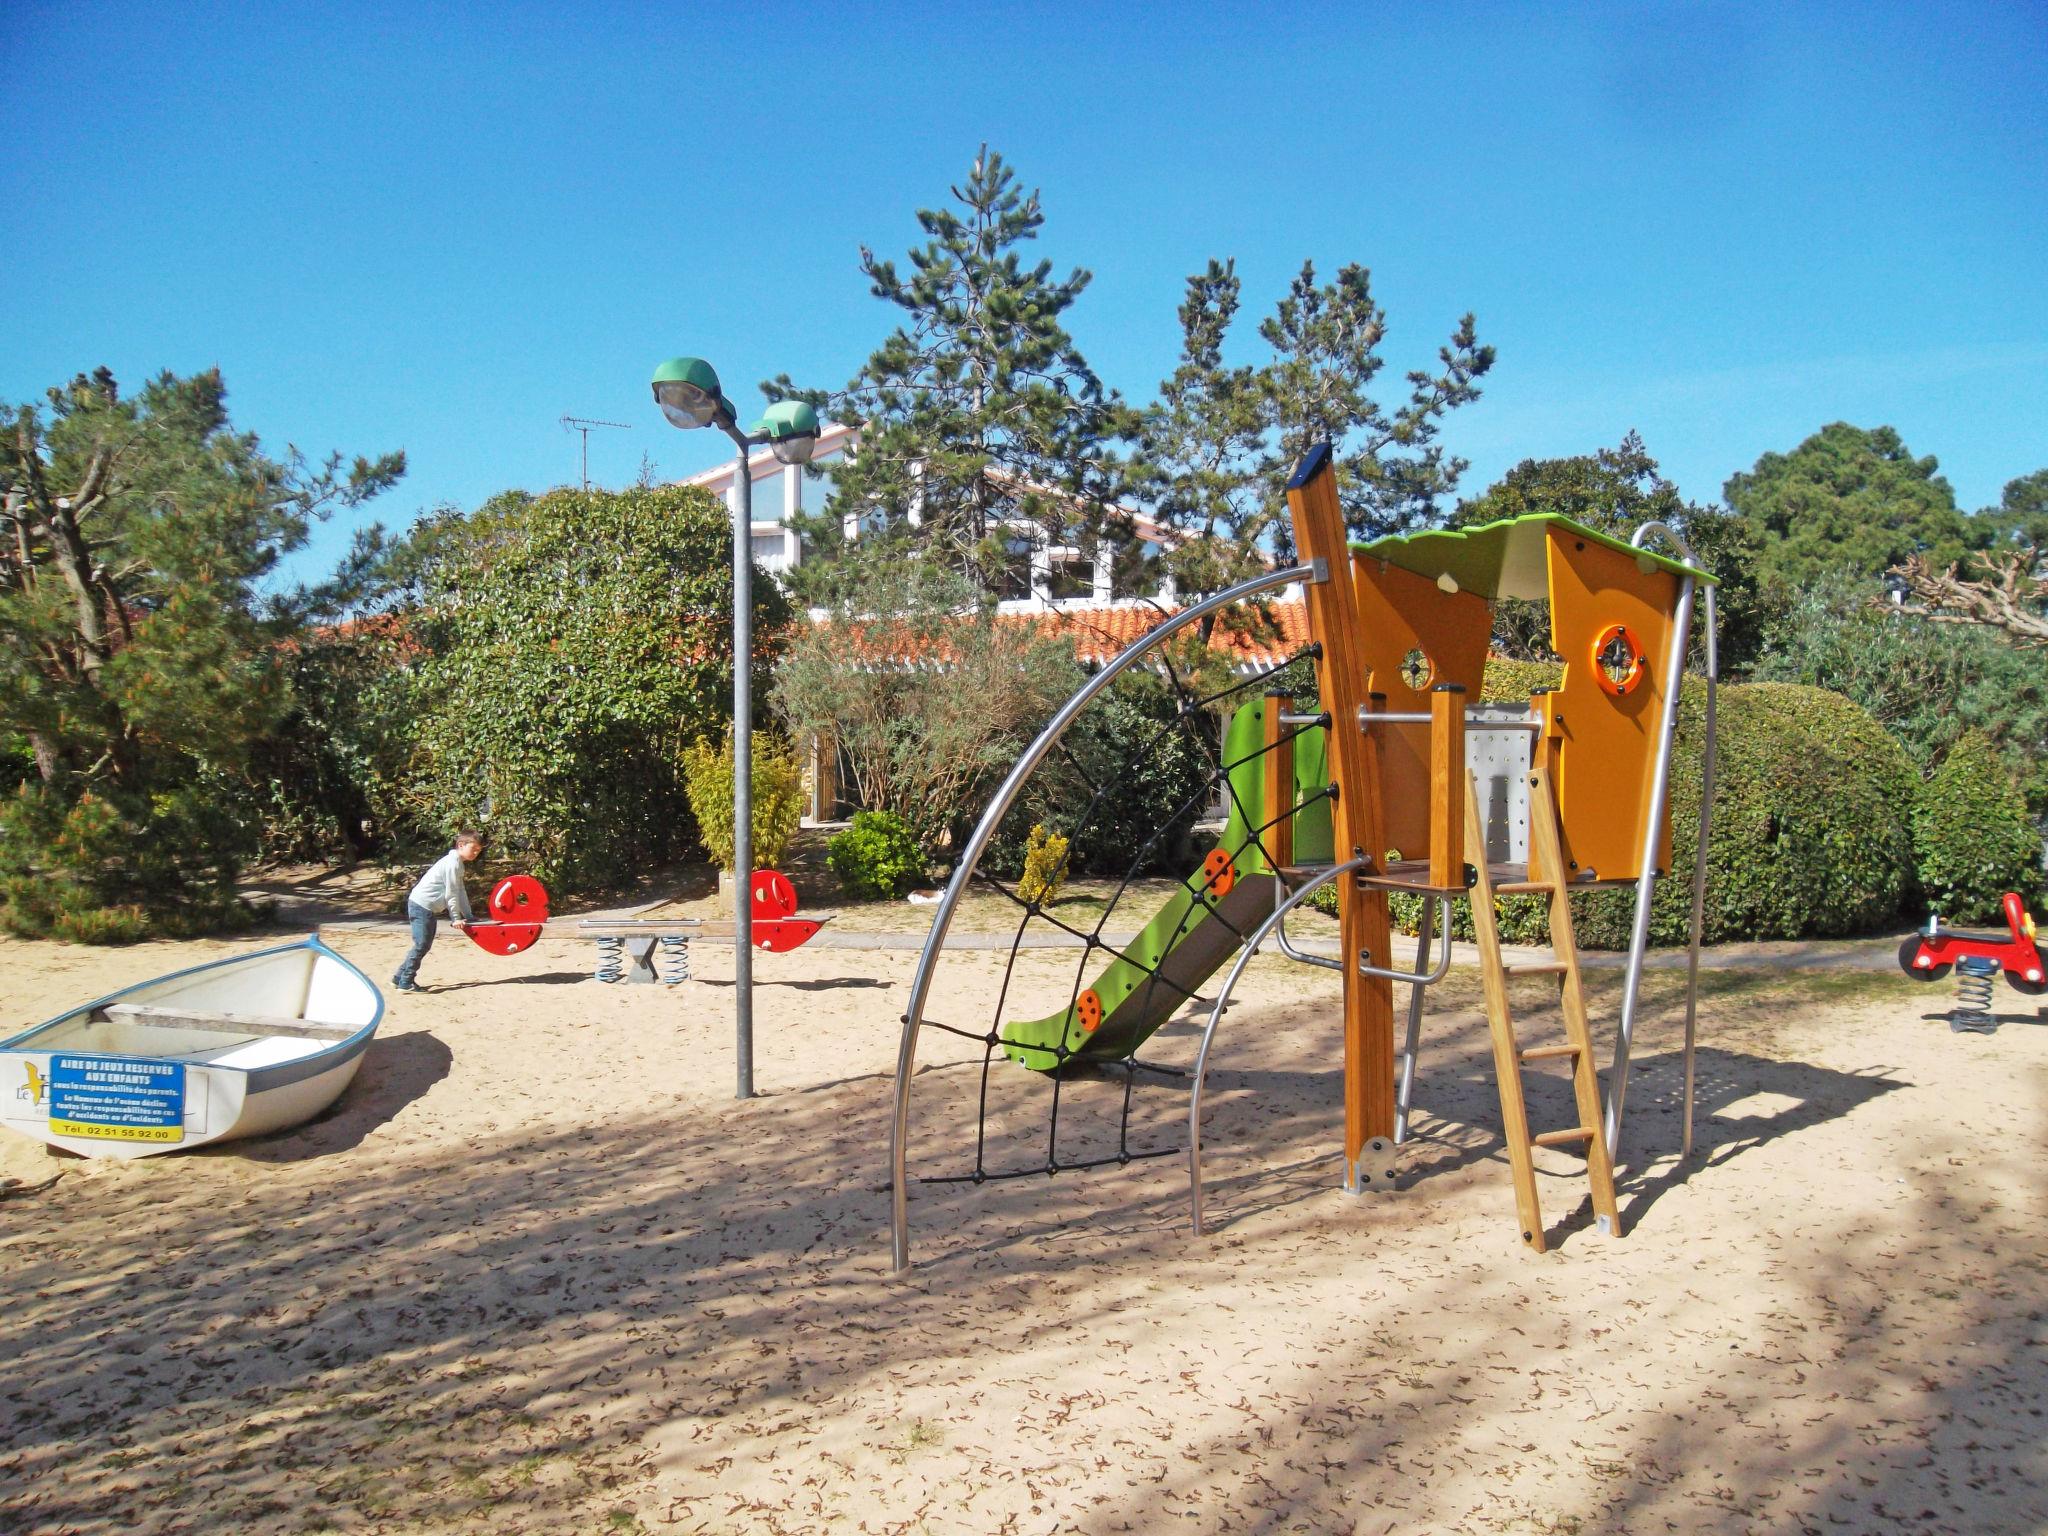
1199	927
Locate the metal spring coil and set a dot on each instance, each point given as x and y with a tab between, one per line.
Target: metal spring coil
1972	1011
611	959
675	960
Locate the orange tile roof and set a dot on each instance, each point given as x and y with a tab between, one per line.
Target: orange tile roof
1100	632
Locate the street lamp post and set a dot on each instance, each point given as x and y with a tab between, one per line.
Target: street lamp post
686	389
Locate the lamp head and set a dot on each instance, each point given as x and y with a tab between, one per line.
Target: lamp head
791	428
686	389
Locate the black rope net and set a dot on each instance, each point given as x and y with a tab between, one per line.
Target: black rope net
1199	706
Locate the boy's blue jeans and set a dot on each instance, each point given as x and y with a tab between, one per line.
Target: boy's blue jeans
423	925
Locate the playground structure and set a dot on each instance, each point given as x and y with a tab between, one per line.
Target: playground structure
626	947
1390	785
1977	958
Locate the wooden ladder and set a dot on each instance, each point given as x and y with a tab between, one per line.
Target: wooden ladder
1546	863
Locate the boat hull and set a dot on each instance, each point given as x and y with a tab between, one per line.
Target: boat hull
192	1088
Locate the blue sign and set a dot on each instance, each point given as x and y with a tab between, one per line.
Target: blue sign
117	1098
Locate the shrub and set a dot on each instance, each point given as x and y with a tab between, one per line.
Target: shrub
573	645
1125	787
1045	867
927	693
1972	841
111	869
877	857
778	798
1926	683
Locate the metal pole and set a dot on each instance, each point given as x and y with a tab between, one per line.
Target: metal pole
743	768
1423	932
1293	899
1646	881
970	856
1708	753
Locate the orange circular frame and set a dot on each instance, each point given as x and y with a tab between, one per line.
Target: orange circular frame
1637	666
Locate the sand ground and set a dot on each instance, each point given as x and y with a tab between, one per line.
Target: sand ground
537	1271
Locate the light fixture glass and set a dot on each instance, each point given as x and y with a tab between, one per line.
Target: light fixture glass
686	389
791	427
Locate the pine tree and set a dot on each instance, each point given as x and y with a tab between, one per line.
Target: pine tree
138	652
984	432
1223	437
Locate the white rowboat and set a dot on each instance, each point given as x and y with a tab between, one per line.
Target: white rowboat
234	1048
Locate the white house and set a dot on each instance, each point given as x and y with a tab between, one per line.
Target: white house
1056	574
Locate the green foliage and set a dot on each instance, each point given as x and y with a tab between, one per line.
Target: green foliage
1925	683
101	869
143	646
1617	490
778	798
877	857
2021	516
928	694
1223	437
1125	787
1045	867
978	413
1972	839
572	645
332	779
1848	501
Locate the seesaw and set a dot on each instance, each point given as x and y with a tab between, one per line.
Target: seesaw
626	946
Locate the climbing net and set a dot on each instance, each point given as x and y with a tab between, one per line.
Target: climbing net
1194	723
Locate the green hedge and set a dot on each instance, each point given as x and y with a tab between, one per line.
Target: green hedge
1812	834
1972	841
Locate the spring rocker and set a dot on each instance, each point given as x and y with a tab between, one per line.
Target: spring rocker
1388	783
626	947
1977	958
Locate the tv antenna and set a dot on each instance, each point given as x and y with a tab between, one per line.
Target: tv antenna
585	424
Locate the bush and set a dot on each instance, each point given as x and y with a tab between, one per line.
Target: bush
1972	841
1045	867
108	869
927	692
1925	683
877	857
1125	787
1811	838
573	645
778	798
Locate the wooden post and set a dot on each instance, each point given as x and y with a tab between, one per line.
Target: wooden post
1447	787
1357	816
1276	767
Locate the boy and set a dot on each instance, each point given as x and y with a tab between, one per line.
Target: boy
440	890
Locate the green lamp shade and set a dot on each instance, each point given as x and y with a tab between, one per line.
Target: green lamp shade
686	389
791	427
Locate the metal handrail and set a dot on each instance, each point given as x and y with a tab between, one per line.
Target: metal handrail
1279	915
970	857
1286	945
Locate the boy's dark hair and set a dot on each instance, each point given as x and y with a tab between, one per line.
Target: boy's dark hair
470	835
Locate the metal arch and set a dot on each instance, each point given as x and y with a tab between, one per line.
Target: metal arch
1279	915
970	857
1646	882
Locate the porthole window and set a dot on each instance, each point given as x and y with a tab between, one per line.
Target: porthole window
1416	669
1618	660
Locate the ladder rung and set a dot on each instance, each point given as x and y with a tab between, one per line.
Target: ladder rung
1536	968
1564	1138
1549	1052
1524	887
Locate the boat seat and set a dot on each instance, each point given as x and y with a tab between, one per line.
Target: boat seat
227	1023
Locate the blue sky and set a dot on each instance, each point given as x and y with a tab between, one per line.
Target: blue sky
431	228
